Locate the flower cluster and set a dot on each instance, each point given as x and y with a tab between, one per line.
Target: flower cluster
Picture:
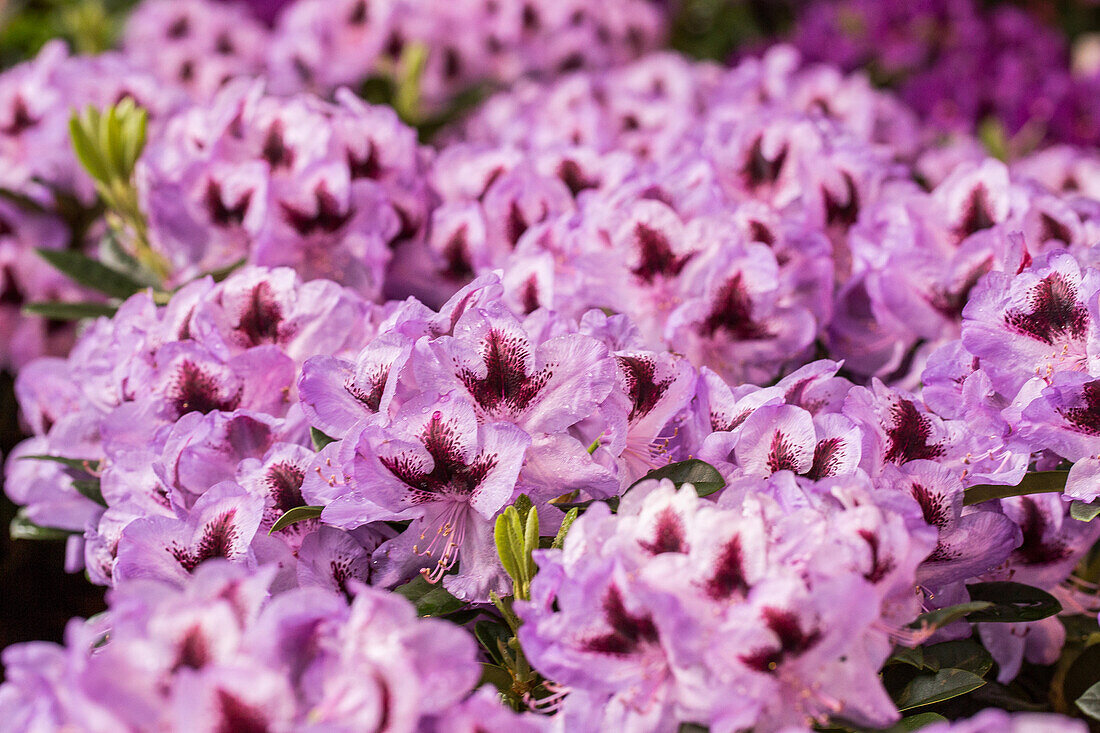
958	64
320	45
326	188
728	397
223	655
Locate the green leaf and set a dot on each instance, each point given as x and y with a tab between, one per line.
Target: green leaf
523	505
1011	602
86	149
78	464
945	684
965	654
89	489
58	311
489	633
297	514
1084	511
915	722
1089	703
566	523
498	677
1036	482
430	599
530	544
320	440
943	616
904	655
704	477
90	273
509	541
22	528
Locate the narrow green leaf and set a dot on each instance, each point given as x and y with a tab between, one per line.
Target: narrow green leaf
1089	703
523	505
943	616
530	544
933	688
22	528
502	535
297	514
91	273
1011	602
1036	482
89	489
704	477
86	151
566	523
1084	511
78	464
320	440
59	311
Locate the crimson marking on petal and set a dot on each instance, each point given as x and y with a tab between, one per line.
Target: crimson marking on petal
194	390
367	166
237	717
793	641
358	14
530	295
880	566
10	292
517	223
327	219
456	253
192	651
976	213
179	28
284	485
933	506
720	423
731	313
781	455
759	232
639	373
1055	312
758	170
449	475
371	398
826	458
1051	228
506	382
950	302
574	178
845	214
668	534
628	632
21	119
907	436
275	151
217	541
729	572
1085	419
222	214
655	255
1035	548
260	320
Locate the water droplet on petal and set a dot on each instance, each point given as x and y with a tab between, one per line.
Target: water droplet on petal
437	415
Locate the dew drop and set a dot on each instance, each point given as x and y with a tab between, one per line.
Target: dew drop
437	415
